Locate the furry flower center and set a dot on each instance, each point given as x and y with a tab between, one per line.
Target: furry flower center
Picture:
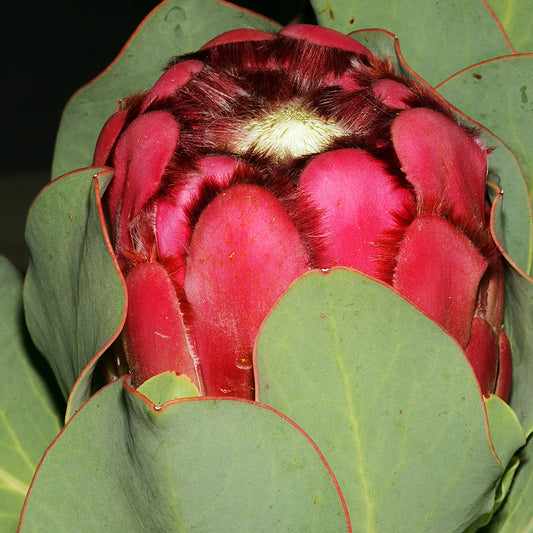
289	131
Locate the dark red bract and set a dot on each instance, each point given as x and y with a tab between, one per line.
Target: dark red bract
263	156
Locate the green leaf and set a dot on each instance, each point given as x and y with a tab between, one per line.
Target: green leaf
389	399
501	494
384	45
194	465
506	433
73	298
515	17
518	319
514	224
283	11
176	27
515	513
166	387
437	38
499	95
29	418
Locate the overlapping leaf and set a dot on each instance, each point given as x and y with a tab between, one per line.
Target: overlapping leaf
519	325
394	408
515	19
204	465
502	431
438	38
29	420
74	299
499	95
515	513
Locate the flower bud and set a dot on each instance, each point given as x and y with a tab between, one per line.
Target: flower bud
263	156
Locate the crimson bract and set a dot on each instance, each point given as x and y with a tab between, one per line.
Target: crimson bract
262	156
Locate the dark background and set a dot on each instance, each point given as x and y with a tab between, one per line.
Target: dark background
49	50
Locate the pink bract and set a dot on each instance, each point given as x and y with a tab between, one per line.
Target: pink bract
262	156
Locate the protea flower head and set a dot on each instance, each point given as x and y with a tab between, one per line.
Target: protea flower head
262	156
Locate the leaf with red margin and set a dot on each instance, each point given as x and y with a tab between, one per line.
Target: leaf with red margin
438	38
390	400
515	230
515	513
384	45
515	19
206	464
168	386
173	28
74	298
29	416
499	94
504	429
518	320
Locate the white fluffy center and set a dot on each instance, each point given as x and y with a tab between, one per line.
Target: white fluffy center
289	130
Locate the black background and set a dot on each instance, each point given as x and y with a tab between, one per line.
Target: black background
50	49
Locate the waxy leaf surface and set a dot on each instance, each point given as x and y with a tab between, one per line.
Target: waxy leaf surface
167	386
192	465
515	18
514	225
506	435
499	95
73	298
438	38
518	320
389	399
29	418
515	513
